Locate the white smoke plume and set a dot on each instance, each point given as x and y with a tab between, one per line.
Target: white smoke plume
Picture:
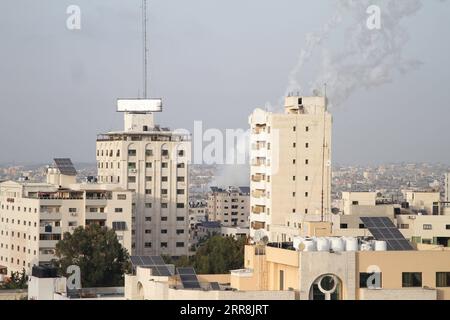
370	58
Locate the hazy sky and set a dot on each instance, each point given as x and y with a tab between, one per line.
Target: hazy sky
213	61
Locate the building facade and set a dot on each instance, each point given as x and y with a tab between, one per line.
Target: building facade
290	163
153	163
35	216
230	206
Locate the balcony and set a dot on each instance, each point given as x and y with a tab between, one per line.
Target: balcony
258	178
259	194
47	215
258	209
53	230
257	225
47	243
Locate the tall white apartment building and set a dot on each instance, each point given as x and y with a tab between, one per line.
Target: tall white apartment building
231	206
35	216
290	164
153	163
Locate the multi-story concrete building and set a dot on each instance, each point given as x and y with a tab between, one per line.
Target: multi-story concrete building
153	163
290	163
423	202
230	206
35	216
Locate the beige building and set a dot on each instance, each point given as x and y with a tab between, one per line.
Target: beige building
230	206
153	163
424	202
290	163
35	216
347	274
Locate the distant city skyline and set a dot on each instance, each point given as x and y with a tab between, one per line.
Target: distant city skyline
59	86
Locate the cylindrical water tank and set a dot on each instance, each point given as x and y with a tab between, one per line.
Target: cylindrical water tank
337	244
351	244
323	244
310	245
380	246
297	242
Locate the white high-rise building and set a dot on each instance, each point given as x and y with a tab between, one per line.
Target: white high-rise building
290	164
152	162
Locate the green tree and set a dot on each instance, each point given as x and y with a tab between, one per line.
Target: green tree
219	255
18	280
96	250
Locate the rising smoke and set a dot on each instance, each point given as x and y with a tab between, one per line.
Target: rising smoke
370	58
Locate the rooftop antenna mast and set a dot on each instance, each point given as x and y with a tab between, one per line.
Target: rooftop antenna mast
145	48
322	213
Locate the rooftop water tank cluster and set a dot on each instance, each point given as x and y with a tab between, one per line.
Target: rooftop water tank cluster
337	244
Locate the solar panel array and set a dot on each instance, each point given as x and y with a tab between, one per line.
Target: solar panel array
65	166
188	278
156	263
383	229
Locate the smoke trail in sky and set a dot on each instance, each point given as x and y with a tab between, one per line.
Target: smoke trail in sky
369	58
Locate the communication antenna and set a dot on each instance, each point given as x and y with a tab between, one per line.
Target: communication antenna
323	155
145	48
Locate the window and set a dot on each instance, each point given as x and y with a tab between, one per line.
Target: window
164	205
307	129
163	244
148	219
165	153
121	197
362	226
180	231
344	226
180	218
294	145
181	153
404	226
180	205
148	244
294	129
447	226
131	153
180	244
306	178
163	191
118	210
149	153
355	203
148	164
148	191
281	280
293	161
180	191
307	145
131	179
147	231
427	227
131	165
411	279
119	225
442	279
164	231
164	179
306	194
72	210
164	165
306	161
370	280
163	218
180	166
148	205
180	179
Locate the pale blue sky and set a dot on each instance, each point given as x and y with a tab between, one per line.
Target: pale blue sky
211	60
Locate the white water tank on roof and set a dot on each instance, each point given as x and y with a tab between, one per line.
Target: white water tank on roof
310	245
337	244
351	244
297	242
380	246
323	244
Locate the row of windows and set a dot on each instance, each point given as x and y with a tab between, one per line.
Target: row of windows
164	245
133	153
6	220
17	248
30	210
12	261
149	219
163	231
18	234
409	280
